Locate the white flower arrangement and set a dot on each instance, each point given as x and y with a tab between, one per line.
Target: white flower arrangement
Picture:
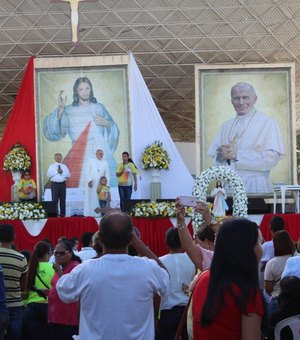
152	209
21	211
155	157
234	182
17	159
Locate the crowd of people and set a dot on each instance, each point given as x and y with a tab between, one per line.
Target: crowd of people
246	286
62	289
228	284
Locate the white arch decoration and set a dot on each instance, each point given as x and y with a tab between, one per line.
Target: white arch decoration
233	180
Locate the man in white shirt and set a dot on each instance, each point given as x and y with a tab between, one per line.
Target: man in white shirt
58	174
87	252
251	143
182	271
96	168
116	290
276	224
292	267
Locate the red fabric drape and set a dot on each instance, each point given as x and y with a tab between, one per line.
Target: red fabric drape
292	223
53	229
75	157
20	128
153	231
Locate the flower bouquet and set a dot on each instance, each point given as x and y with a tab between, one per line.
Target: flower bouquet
17	159
21	211
155	157
153	209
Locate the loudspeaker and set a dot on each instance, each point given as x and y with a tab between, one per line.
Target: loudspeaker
129	204
50	208
257	206
169	200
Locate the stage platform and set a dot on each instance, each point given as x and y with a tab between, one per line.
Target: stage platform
152	229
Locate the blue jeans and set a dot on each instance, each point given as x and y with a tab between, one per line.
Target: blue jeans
3	325
272	306
14	328
36	321
125	192
102	205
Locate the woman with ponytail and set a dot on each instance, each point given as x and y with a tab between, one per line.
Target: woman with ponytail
40	273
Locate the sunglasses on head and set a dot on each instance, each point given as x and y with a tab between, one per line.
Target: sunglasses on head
61	253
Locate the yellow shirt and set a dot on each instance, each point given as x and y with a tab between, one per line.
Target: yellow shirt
104	191
27	185
126	179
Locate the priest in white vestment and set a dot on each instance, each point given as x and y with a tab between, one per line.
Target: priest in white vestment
96	168
251	143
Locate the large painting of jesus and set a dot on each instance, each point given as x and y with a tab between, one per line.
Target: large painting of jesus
80	109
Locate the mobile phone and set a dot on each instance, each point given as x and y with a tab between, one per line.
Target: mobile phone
188	201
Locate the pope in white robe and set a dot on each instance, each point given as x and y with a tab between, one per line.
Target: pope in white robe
251	143
96	168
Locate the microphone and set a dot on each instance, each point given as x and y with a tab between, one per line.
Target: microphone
58	167
228	161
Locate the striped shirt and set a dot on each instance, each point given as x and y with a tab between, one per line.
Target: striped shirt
14	266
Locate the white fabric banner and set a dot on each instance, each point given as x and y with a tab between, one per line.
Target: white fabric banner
147	127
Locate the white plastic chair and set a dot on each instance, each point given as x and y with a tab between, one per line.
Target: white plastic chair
293	322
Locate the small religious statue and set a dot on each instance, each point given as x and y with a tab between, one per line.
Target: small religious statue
220	205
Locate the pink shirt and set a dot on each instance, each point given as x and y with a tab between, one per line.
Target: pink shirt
207	258
58	311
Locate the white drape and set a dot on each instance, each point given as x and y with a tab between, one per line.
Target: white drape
147	127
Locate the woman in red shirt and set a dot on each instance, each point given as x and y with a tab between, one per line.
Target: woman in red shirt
63	318
227	302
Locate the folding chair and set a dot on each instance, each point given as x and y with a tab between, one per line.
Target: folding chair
293	322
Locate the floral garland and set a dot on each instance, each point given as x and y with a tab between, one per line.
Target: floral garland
152	209
155	157
234	182
17	159
22	211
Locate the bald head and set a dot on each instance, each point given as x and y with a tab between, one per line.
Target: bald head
245	86
99	153
243	98
116	230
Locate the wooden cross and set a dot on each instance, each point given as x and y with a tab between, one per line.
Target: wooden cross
74	4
